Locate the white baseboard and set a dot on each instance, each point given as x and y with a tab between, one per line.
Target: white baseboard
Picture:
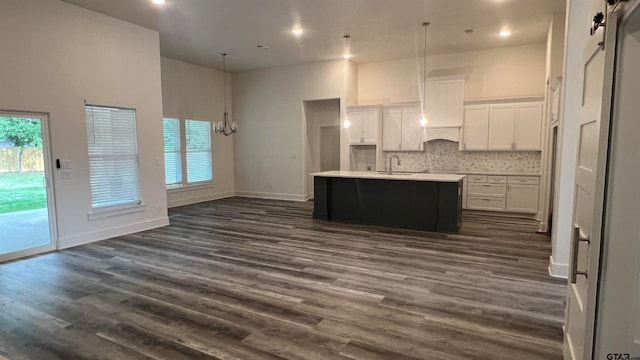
543	227
198	199
93	236
271	196
309	196
557	270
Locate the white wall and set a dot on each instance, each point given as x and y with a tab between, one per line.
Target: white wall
196	92
56	55
268	106
496	73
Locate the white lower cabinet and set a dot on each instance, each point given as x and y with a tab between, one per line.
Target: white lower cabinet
491	204
523	194
502	193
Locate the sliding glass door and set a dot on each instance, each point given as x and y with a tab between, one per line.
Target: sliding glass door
27	223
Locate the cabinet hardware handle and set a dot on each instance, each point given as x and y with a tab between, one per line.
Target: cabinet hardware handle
577	239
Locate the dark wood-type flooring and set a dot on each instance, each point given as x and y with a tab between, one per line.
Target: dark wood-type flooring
259	279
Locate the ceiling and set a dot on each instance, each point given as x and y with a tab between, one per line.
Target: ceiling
197	31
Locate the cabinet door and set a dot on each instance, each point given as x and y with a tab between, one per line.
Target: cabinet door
392	130
476	128
522	198
411	130
501	127
355	129
528	131
370	127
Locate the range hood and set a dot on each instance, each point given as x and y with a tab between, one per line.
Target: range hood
451	133
445	103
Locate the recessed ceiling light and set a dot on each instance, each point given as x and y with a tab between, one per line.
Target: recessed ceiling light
297	31
158	2
347	56
505	33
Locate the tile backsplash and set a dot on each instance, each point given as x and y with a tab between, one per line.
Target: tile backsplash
444	155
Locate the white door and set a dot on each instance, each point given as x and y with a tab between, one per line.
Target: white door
599	60
27	217
528	131
476	127
618	325
501	126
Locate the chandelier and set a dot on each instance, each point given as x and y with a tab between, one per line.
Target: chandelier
225	127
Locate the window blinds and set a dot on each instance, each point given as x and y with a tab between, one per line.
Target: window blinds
198	138
113	156
172	151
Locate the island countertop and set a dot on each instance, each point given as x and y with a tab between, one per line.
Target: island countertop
394	176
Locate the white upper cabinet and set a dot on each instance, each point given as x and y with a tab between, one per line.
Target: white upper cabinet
501	127
528	129
476	127
392	130
504	126
401	130
445	102
365	124
411	129
370	125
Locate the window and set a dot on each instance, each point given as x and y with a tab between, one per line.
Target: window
188	142
113	156
198	150
172	154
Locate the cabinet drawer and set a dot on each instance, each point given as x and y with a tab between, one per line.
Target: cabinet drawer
529	180
477	178
488	190
485	203
493	179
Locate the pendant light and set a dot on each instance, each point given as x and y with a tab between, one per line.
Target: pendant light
424	120
225	127
347	56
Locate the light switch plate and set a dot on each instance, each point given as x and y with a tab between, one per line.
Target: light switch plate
66	174
66	164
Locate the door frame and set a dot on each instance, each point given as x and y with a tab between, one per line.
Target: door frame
50	188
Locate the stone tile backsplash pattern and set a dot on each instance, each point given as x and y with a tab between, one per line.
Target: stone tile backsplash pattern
444	155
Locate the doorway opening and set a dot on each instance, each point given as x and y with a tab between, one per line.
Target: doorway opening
26	196
322	150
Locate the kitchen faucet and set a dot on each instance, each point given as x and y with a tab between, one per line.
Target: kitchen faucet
389	170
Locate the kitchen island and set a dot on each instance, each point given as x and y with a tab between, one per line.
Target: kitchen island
422	201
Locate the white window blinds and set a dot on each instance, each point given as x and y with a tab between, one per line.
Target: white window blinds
113	156
198	146
172	152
